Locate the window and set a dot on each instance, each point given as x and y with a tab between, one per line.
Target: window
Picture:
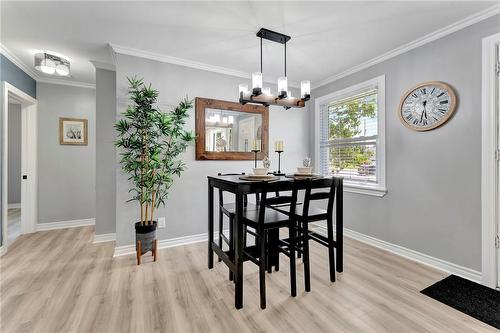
350	139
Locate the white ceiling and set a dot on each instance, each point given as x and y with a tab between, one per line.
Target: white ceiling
327	37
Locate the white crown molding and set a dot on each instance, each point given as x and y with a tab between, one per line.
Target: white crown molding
67	83
18	62
111	237
36	76
112	55
187	63
64	224
103	65
413	255
440	33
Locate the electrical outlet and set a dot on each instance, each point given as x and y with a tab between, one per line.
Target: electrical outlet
161	222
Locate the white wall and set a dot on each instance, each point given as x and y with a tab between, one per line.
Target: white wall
433	204
14	154
66	174
186	209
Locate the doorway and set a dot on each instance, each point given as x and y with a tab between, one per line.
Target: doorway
14	153
18	217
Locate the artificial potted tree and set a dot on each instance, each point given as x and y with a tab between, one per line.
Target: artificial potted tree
150	142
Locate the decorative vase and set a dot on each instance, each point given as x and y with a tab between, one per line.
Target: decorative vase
266	162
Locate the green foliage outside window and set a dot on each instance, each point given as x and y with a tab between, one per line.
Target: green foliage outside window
345	121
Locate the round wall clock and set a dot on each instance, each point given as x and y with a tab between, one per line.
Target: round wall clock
427	106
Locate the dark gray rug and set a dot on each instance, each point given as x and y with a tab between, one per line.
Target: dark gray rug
471	298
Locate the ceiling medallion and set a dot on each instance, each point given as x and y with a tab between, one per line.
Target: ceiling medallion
262	95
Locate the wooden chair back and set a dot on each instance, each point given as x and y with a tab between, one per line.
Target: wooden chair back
309	196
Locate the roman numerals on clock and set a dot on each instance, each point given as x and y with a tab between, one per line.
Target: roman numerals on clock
427	106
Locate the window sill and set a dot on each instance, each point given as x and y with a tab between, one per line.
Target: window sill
376	191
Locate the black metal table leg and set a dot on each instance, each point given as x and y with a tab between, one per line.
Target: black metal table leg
238	258
210	225
339	224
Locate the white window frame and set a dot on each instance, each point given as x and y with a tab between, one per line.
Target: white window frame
378	82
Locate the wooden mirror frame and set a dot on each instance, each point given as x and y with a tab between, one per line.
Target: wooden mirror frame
204	103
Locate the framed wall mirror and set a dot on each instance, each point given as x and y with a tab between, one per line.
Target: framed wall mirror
230	131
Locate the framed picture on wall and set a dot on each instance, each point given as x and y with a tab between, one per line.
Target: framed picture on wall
73	131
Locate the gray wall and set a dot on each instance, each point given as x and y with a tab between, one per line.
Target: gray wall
14	157
433	204
186	208
66	174
105	152
15	76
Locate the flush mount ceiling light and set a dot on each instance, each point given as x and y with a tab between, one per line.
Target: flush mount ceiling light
262	95
51	64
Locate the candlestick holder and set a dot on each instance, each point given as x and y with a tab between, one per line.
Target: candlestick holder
255	157
279	173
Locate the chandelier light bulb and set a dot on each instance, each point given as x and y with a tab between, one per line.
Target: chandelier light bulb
256	83
282	86
47	69
46	65
305	89
62	70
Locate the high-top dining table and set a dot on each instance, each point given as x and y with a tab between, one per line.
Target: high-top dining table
241	187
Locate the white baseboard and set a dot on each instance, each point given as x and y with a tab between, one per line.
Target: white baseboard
164	243
64	224
3	250
105	238
14	205
419	257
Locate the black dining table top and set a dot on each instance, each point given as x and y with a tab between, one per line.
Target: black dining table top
236	179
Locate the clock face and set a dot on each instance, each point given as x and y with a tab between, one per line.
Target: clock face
427	106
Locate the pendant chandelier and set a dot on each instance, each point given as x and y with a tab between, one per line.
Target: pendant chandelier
262	95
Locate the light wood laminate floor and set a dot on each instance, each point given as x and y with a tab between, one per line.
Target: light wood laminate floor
58	281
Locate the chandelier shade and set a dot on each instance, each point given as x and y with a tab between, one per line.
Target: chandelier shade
305	89
282	87
257	82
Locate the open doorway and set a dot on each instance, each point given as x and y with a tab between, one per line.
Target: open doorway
19	195
14	152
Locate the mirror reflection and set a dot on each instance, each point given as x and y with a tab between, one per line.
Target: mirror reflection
232	131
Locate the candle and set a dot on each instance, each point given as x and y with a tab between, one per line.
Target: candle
278	145
256	145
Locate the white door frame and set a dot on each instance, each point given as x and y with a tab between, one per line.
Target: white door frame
489	178
28	160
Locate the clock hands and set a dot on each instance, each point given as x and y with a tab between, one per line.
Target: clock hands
424	112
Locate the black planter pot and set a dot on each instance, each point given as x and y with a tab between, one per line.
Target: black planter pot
146	234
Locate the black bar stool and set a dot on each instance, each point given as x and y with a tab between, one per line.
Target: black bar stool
229	209
313	214
265	220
